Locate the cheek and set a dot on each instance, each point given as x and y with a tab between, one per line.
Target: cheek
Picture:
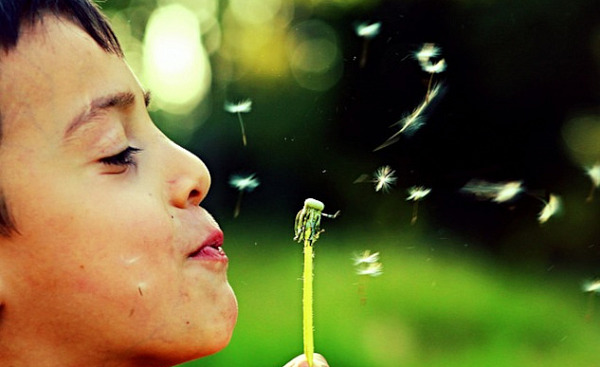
121	253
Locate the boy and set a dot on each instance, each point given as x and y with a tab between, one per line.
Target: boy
106	257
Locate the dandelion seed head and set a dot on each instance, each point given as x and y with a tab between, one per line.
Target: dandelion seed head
368	30
552	207
374	269
366	257
384	178
247	183
594	173
591	286
436	68
244	106
417	193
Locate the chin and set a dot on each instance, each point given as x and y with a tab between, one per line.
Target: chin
193	350
223	326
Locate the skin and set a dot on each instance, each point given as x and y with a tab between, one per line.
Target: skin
99	273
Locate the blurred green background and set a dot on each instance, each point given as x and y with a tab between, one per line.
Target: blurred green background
473	282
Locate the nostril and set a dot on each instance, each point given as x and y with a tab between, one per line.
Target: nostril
195	197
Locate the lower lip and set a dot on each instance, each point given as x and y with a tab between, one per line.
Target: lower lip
210	253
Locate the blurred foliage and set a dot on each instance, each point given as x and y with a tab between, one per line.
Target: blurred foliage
473	282
436	304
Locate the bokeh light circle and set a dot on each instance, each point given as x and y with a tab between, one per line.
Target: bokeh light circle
176	65
314	54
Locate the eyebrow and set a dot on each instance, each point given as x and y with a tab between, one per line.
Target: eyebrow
119	100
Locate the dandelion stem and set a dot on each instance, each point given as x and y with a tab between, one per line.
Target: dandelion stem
590	197
307	302
362	290
242	128
415	213
238	204
307	228
428	89
590	310
363	57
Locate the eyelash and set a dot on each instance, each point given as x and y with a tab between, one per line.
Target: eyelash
124	158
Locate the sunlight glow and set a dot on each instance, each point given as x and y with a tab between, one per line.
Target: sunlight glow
255	12
176	66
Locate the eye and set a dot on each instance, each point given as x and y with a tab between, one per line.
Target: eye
124	158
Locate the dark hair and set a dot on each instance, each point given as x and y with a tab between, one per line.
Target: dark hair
14	14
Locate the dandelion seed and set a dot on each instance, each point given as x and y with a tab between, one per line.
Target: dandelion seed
551	208
416	194
594	173
384	178
412	122
365	258
374	270
366	32
244	106
415	120
427	52
508	191
592	287
436	68
242	184
367	265
131	260
497	192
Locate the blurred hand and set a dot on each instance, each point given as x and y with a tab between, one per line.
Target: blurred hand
300	361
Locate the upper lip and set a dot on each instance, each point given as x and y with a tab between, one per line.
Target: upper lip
215	239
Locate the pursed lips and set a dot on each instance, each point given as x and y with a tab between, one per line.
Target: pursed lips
210	249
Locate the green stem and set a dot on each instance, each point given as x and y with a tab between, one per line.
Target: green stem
307	303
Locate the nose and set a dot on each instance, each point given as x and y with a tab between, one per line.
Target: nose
188	180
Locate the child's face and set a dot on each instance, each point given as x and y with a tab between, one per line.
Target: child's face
104	260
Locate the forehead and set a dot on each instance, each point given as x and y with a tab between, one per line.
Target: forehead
55	68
